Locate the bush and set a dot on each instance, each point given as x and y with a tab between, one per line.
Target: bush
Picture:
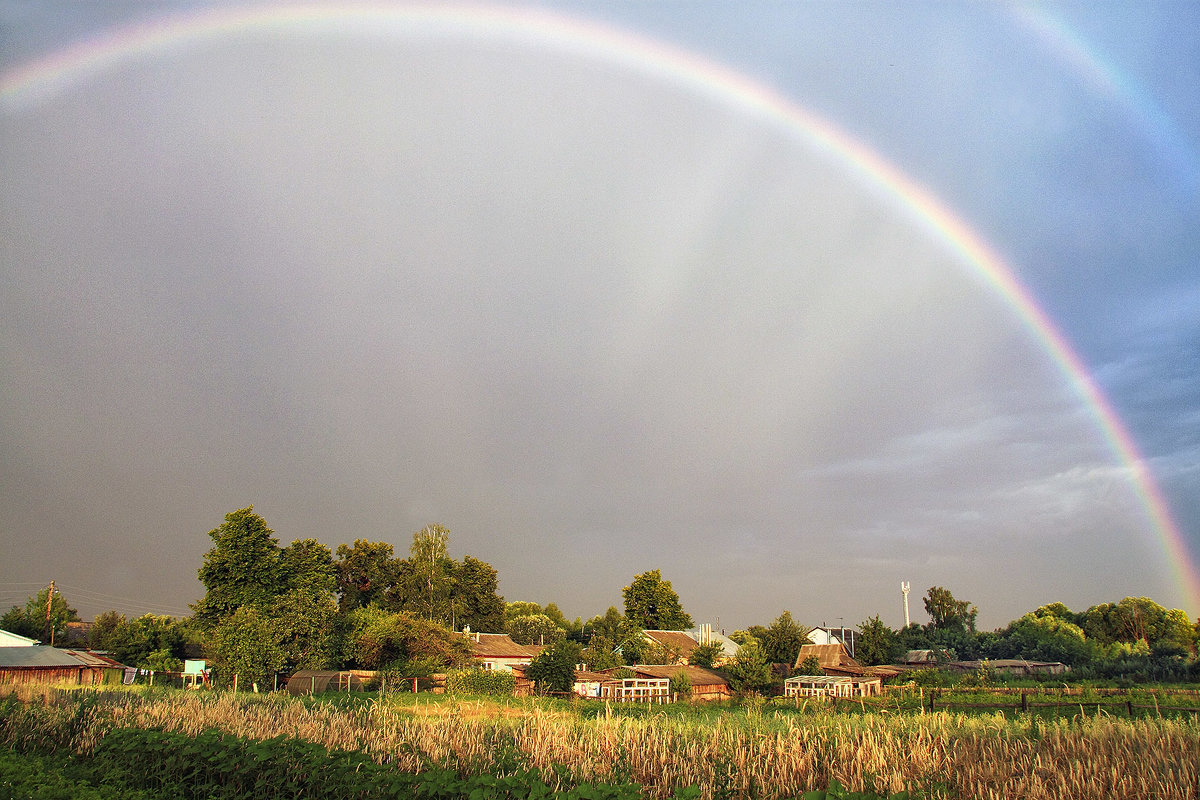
480	681
681	684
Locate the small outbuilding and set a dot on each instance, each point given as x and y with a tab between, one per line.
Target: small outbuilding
45	665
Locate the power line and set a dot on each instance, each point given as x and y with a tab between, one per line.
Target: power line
122	603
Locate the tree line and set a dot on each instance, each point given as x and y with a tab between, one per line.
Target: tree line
272	609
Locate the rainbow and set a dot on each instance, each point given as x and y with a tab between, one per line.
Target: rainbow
42	78
1126	95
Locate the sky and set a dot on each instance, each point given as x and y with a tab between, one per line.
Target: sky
604	288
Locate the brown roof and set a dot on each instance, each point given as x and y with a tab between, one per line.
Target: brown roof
681	641
697	676
828	655
501	645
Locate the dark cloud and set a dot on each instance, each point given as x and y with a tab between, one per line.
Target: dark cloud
592	322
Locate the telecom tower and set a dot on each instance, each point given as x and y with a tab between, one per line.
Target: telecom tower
904	591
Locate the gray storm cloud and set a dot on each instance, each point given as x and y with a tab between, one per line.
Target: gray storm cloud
591	322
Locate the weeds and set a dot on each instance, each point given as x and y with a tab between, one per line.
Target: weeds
725	754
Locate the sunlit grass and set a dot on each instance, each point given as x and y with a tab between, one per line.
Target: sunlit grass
757	751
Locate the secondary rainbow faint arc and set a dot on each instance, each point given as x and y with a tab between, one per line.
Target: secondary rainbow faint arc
69	65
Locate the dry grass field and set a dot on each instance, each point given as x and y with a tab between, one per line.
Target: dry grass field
730	753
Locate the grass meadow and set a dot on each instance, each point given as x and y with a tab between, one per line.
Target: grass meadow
752	750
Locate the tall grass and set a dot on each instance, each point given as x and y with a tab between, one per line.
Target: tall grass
733	755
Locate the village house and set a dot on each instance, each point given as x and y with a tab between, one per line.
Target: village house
499	652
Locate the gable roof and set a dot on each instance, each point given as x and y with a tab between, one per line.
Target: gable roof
680	640
37	657
10	639
827	655
697	676
501	645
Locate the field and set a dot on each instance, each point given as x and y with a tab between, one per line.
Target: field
758	750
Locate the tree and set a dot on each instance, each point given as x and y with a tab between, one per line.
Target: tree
783	638
133	641
627	638
242	569
366	572
244	644
1137	619
572	628
379	639
104	626
553	670
1043	638
652	604
810	666
34	622
706	655
534	629
307	564
947	613
477	602
877	643
750	671
601	653
430	573
305	628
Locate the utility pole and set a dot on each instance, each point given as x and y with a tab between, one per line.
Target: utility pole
49	601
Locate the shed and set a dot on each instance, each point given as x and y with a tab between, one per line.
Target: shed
23	665
706	684
313	681
920	657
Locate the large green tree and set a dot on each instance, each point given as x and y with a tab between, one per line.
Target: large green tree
430	574
305	626
35	622
307	564
877	643
477	602
534	629
626	637
245	643
750	671
947	613
366	572
652	604
783	638
379	639
243	568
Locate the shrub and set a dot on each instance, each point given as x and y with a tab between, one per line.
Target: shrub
480	681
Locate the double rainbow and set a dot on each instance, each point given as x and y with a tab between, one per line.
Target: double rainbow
70	65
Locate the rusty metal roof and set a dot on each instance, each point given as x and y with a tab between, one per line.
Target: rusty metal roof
37	657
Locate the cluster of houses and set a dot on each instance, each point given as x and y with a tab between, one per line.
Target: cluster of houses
842	676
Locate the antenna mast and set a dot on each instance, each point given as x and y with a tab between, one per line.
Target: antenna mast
904	591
